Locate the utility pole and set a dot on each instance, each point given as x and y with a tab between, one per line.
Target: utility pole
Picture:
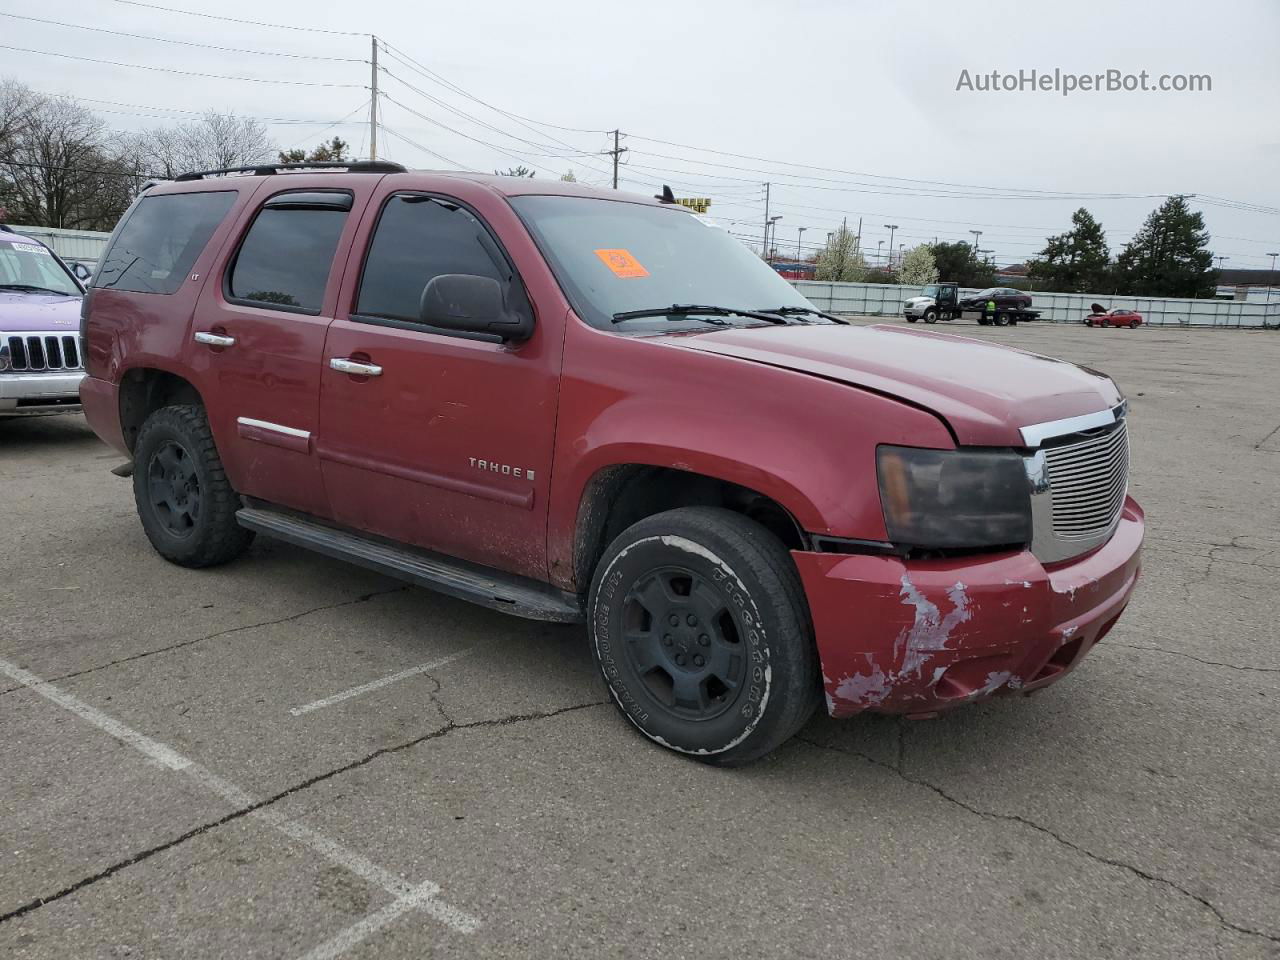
1271	280
373	102
764	244
799	233
857	246
616	152
977	239
891	227
844	244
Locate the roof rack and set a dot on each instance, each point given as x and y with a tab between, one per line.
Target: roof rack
269	169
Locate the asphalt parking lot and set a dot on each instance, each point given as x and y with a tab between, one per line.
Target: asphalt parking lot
289	757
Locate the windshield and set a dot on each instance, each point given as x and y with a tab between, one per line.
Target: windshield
930	291
31	267
613	256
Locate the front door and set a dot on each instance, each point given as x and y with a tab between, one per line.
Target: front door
437	439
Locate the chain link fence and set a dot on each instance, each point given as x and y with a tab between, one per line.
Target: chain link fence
885	300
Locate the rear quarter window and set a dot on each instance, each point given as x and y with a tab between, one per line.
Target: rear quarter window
157	245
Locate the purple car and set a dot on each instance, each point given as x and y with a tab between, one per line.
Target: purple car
40	363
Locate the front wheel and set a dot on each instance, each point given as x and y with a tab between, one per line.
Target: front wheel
185	502
701	630
911	319
931	316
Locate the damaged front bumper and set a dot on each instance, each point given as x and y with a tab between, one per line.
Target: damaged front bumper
917	637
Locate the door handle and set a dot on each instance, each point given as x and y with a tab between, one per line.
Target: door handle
355	367
214	339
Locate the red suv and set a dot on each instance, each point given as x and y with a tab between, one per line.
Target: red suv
578	405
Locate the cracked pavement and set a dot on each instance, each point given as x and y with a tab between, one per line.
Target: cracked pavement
1128	811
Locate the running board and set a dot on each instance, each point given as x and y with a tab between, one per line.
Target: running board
489	588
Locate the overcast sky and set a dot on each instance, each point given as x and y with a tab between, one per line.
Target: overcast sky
866	90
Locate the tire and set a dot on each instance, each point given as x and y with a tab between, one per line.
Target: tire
911	319
931	315
715	571
185	502
1002	319
1133	324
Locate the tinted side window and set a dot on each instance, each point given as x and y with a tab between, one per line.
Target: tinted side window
155	248
285	258
418	238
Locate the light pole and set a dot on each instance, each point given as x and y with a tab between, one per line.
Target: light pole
891	227
1271	281
901	254
977	239
772	225
799	233
879	244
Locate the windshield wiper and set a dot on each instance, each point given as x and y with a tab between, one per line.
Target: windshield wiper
799	311
678	311
32	288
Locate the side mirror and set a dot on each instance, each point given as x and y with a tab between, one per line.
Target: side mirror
81	272
465	302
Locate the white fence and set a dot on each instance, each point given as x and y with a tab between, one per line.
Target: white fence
74	245
883	299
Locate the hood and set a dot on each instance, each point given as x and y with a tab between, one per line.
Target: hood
21	312
919	299
985	392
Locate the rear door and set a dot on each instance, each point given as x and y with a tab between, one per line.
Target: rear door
449	445
258	335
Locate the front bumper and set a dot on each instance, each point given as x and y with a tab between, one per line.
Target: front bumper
32	393
917	637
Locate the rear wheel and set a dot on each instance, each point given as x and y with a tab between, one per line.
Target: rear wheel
185	502
1002	319
700	628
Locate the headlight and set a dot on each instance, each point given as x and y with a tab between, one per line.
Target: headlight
954	499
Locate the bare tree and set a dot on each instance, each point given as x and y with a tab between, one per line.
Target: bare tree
215	141
60	165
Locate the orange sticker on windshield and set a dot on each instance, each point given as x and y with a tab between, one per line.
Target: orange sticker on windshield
622	263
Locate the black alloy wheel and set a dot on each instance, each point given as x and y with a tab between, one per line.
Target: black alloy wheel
174	489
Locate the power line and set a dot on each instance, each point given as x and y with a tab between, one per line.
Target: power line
432	75
427	150
336	123
185	43
466	116
410	63
252	23
186	73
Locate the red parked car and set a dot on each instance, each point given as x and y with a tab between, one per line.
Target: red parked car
1114	318
578	405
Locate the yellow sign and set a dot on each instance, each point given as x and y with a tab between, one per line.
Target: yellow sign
697	204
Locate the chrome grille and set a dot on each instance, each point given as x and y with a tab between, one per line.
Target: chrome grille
40	352
1088	479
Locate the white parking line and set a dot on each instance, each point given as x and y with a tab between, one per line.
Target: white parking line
407	896
422	897
377	684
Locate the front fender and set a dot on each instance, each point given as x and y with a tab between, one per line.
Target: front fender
803	441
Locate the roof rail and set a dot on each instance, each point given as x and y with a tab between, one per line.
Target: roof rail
269	169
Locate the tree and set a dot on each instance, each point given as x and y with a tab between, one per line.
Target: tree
520	171
958	263
334	151
214	142
841	260
59	164
918	266
1169	256
1077	261
568	177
